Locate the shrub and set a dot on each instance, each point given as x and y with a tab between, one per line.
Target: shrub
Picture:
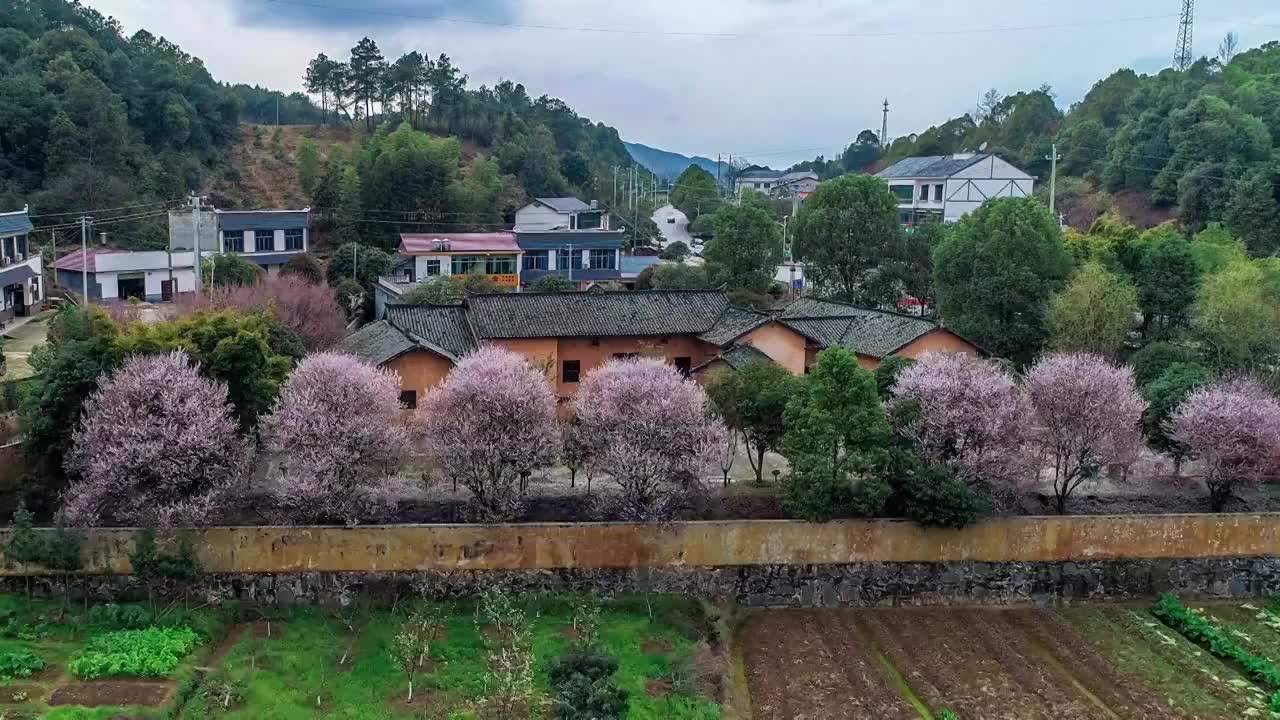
153	652
307	307
19	664
306	266
120	617
553	282
581	681
932	494
1153	360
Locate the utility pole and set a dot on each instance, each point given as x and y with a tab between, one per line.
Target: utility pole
569	265
1053	175
195	245
884	126
615	186
1183	54
355	261
717	172
84	256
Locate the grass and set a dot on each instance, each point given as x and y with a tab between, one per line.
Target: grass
283	677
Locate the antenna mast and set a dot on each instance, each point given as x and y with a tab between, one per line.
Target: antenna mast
884	125
1182	54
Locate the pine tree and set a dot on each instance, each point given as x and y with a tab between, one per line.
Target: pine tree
23	546
367	70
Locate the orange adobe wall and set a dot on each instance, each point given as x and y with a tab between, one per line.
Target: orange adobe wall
940	340
420	370
784	345
591	353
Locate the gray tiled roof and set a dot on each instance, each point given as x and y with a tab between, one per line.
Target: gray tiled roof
740	356
595	313
733	324
564	204
869	332
377	343
14	224
760	174
444	327
930	166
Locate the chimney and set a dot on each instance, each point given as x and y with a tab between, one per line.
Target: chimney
102	239
595	204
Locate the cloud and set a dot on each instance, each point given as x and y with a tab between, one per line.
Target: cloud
300	14
761	78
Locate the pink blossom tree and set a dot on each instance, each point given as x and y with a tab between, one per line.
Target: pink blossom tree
488	425
1234	427
340	435
966	412
158	446
1086	416
651	430
309	309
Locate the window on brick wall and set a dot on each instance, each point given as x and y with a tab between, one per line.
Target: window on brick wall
570	370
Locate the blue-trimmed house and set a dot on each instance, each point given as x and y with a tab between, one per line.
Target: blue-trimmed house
267	237
21	272
584	257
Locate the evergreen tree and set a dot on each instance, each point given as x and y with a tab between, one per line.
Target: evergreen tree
367	70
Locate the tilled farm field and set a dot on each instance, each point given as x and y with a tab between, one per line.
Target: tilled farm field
1108	663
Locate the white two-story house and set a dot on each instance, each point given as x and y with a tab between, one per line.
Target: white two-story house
947	187
21	273
559	214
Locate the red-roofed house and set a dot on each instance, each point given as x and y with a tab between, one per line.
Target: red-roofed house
426	255
118	274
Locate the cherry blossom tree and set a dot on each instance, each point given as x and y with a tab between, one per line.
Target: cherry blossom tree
490	423
307	308
1087	415
1234	426
966	412
340	435
651	431
157	447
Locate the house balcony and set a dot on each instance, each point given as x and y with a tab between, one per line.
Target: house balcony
504	279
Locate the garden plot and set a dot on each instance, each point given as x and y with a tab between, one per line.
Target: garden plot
1108	664
63	663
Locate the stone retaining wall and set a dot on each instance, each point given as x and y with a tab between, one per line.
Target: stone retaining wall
763	563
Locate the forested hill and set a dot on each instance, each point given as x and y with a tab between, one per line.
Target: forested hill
92	119
1202	143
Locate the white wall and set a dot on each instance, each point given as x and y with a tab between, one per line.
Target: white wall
534	217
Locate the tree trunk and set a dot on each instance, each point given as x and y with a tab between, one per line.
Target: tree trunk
1062	502
410	690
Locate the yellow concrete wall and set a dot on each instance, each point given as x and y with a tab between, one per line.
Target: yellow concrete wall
715	544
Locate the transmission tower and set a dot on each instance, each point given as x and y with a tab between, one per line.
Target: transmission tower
884	125
1182	55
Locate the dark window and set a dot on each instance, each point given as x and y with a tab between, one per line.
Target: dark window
293	239
937	193
409	399
924	193
565	259
902	192
536	260
264	240
569	371
625	356
684	365
603	260
500	265
233	240
463	264
590	220
433	267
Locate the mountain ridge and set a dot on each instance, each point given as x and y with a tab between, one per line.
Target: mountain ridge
668	165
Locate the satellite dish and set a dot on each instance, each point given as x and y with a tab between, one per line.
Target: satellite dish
982	147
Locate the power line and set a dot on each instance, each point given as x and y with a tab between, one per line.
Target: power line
701	34
99	210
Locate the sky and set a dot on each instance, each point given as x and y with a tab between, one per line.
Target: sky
775	81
